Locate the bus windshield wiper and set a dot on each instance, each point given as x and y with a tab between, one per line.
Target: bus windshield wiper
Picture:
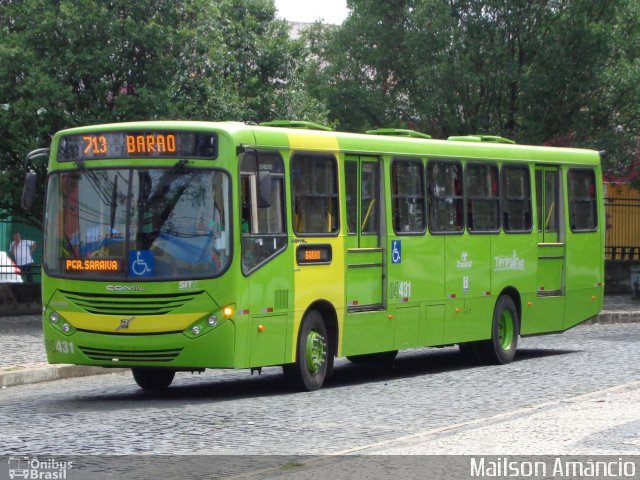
113	206
163	199
102	192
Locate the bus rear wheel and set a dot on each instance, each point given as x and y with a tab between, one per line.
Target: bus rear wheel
313	356
153	379
501	348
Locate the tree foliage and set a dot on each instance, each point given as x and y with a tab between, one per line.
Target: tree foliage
67	63
562	72
555	71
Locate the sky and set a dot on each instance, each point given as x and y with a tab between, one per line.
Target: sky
308	11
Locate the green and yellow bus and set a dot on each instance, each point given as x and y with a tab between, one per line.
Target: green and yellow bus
181	246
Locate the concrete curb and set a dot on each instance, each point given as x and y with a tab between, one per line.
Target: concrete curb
46	373
610	317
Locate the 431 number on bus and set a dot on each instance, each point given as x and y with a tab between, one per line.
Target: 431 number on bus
399	289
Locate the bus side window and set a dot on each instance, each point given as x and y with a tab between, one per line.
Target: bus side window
351	192
445	196
314	188
583	211
516	199
263	225
483	200
407	192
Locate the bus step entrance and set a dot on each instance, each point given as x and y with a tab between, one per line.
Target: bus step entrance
374	307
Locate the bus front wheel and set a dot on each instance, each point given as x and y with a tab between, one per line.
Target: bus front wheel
501	348
153	378
313	355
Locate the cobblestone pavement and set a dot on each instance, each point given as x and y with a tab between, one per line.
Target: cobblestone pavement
427	390
21	341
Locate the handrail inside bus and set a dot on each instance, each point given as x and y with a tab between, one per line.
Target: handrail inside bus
366	217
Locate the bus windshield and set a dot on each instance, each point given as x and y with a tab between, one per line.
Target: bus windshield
138	223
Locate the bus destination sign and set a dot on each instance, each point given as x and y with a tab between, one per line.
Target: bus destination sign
313	254
157	144
97	265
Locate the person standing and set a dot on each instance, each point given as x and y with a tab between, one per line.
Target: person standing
22	253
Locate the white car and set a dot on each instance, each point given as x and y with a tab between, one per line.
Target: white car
9	271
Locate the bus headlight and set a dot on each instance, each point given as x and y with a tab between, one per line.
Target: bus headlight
58	322
209	322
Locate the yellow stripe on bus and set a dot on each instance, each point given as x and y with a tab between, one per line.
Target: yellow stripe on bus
303	141
134	324
315	282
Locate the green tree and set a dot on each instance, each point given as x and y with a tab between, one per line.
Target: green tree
66	63
537	71
615	109
358	69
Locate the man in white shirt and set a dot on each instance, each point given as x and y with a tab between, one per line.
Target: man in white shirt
22	251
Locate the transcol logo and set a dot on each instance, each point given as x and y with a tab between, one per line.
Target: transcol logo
464	263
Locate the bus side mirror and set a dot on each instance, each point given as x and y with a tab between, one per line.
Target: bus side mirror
264	189
29	190
30	179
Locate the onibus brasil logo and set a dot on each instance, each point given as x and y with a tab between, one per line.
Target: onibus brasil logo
34	468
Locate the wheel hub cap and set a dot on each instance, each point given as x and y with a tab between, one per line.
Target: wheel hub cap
316	352
505	331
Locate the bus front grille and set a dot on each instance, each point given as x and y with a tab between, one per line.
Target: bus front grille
109	355
109	304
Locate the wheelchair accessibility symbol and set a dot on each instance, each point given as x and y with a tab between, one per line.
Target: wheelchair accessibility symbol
141	263
396	251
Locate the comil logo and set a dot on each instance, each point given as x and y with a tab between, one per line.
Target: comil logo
34	468
125	288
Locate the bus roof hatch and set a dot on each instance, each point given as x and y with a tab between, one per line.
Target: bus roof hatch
481	138
295	124
399	132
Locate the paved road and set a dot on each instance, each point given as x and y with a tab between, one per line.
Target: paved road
21	340
430	395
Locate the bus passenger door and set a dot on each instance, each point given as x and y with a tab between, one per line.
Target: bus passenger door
367	328
551	246
265	265
365	207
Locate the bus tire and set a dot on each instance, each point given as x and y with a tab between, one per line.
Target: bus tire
313	358
381	358
505	327
153	379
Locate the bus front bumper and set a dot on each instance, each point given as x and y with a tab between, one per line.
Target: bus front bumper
213	349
